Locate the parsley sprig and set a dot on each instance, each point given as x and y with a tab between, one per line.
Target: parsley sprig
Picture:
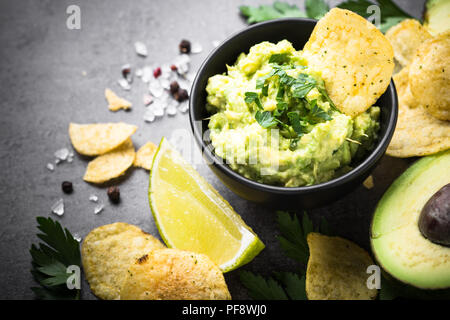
293	121
50	260
391	14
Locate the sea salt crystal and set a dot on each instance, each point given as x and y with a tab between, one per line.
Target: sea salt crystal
141	49
165	83
147	74
171	109
149	116
93	198
155	88
77	237
147	99
50	166
124	84
99	208
215	43
58	207
158	110
70	157
62	154
57	161
183	107
139	73
182	63
196	47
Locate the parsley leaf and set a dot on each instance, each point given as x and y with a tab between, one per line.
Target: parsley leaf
294	120
293	234
265	119
51	258
270	12
251	97
391	14
260	288
316	9
317	112
294	285
303	85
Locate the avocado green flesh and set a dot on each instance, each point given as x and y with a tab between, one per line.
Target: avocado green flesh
397	242
325	150
437	16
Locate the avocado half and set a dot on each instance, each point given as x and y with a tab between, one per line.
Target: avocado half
437	16
397	243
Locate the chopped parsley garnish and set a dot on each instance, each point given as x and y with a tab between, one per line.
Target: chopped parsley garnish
251	97
292	118
265	119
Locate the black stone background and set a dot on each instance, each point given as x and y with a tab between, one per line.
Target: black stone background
43	88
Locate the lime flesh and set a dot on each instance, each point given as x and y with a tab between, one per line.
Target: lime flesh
191	215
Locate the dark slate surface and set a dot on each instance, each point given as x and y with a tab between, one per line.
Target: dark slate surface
51	76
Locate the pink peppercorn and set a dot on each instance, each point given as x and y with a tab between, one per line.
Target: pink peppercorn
157	72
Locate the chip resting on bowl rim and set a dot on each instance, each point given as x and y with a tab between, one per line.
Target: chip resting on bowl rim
355	59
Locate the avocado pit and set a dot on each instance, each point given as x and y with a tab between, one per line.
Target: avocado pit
434	220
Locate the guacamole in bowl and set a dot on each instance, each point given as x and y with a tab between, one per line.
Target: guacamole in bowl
273	122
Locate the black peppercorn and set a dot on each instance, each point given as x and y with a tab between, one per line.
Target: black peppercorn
114	194
67	187
181	95
185	46
126	73
174	86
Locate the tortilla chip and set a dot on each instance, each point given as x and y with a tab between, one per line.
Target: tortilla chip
337	270
115	102
355	58
401	81
405	38
99	138
173	274
107	253
144	156
110	165
418	133
429	76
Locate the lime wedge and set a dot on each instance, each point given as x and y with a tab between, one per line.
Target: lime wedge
191	215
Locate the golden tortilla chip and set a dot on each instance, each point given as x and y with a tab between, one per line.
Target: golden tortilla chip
405	38
107	253
110	165
355	59
99	138
429	76
337	270
401	81
173	274
418	133
144	156
115	102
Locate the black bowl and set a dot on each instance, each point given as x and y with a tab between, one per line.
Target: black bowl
296	30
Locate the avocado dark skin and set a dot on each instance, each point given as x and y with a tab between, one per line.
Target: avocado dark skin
434	220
